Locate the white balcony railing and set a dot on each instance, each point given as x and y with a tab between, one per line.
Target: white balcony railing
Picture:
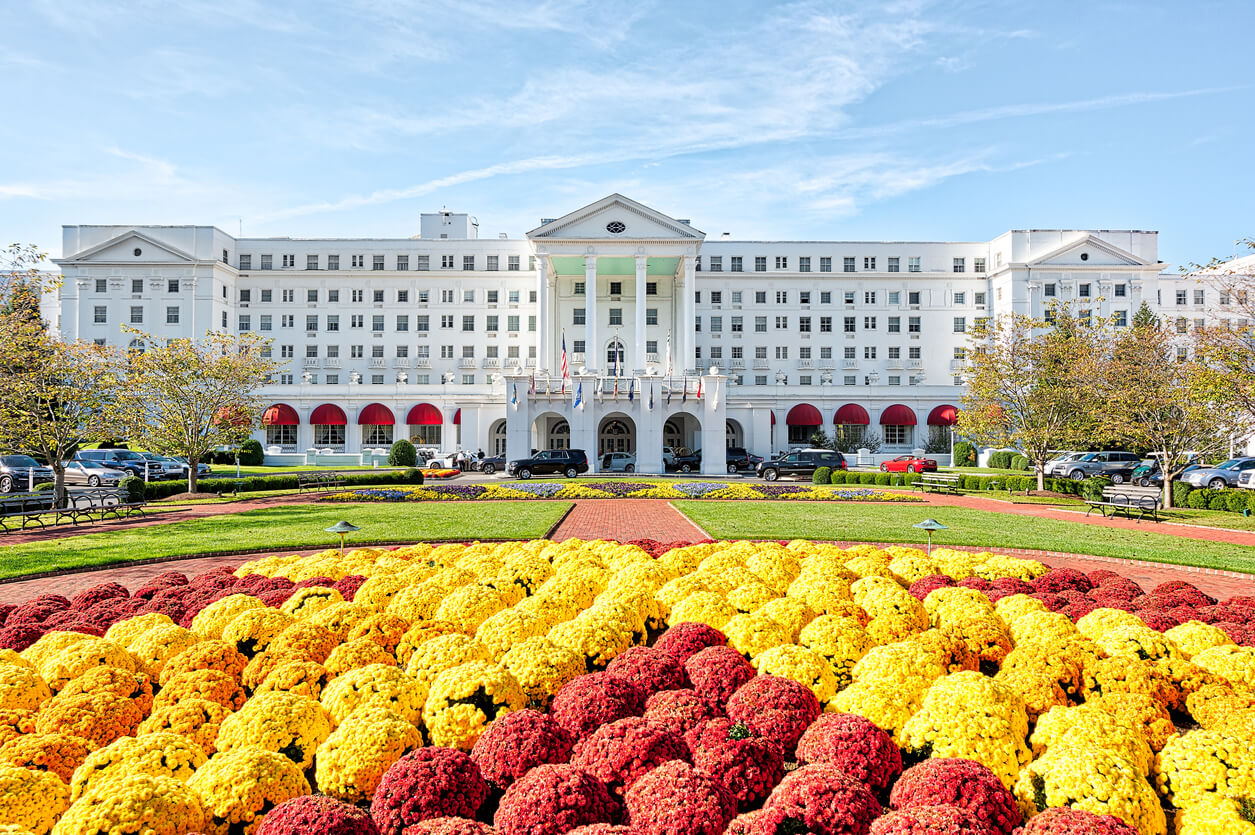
914	363
492	362
377	362
331	362
805	363
400	362
466	362
849	363
311	362
762	364
895	364
422	362
737	364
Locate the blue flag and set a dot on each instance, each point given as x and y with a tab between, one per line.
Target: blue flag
684	393
579	396
651	396
514	398
631	390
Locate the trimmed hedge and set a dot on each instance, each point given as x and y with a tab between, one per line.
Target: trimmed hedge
822	475
1020	462
1000	460
402	454
162	489
964	454
251	453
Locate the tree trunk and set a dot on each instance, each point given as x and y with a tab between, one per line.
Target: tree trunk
192	472
1167	492
58	484
1041	476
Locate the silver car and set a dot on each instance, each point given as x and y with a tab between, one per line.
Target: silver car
1117	466
618	462
1225	474
93	474
1057	467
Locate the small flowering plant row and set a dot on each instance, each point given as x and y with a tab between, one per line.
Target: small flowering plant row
618	490
640	688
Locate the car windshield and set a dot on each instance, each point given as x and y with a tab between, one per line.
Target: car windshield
1231	464
19	461
1148	462
127	455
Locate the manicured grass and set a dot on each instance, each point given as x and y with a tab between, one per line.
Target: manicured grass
892	523
288	527
228	470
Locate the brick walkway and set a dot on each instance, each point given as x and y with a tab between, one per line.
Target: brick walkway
625	519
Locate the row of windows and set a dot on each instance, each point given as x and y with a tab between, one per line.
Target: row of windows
357	352
616	288
891	434
312	296
1051	290
287	379
100	315
848	298
805	324
137	285
849	264
266	322
378	262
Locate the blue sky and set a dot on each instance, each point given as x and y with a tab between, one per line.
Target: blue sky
907	120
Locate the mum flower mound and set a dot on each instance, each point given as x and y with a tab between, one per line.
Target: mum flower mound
552	800
585	704
684	640
322	815
518	742
748	766
621	752
774	708
139	803
854	745
962	783
929	820
1075	822
427	783
818	799
677	799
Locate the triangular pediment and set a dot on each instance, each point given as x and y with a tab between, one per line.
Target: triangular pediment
616	218
1088	251
124	247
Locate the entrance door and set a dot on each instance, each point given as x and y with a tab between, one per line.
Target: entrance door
614	437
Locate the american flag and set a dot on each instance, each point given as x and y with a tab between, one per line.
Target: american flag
565	372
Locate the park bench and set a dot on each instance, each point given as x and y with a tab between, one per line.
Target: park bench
1115	503
318	481
938	483
93	505
25	509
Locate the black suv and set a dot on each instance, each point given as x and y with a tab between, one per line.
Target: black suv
123	459
739	458
569	462
800	463
17	472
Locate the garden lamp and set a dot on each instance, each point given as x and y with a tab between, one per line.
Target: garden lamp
343	528
929	525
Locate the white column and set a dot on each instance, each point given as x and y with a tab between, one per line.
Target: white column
542	313
714	424
690	314
591	349
642	276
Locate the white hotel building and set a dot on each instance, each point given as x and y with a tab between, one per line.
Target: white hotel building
455	340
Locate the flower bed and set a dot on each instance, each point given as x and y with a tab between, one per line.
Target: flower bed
542	688
618	490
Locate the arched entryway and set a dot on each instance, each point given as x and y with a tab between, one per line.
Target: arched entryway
497	437
850	426
682	431
550	430
941	421
617	433
377	422
734	436
897	424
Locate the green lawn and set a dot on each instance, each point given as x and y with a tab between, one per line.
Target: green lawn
892	523
287	527
228	470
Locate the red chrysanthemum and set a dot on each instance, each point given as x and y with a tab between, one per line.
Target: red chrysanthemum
448	826
774	708
677	799
1076	611
747	765
1237	614
105	591
1075	822
978	583
325	582
1058	579
518	742
854	745
921	587
427	783
165	580
650	669
34	611
717	672
1187	587
348	585
958	782
819	799
1011	585
1053	600
1113	594
929	820
618	754
1102	575
19	636
552	800
1157	619
602	829
586	703
680	711
322	815
684	640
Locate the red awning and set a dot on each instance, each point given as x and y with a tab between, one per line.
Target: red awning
804	414
851	414
328	415
424	414
457	417
376	414
773	418
280	414
897	415
943	416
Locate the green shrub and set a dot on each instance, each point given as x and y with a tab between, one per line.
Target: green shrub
1235	501
1181	493
910	478
1091	488
822	475
1000	460
1198	499
413	475
867	478
1020	462
132	488
402	454
970	482
838	477
883	479
1218	501
964	454
251	453
1250	500
45	487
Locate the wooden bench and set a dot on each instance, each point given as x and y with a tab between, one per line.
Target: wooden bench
318	481
26	508
938	483
93	505
1114	503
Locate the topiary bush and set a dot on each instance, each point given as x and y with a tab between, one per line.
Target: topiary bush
1020	462
251	453
402	454
838	477
883	479
822	475
1181	493
1000	460
1235	501
867	478
1218	501
964	454
413	475
132	488
1198	499
971	482
1091	488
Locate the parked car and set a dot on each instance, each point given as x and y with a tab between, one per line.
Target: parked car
121	459
802	462
568	462
19	472
170	469
1057	467
909	464
618	462
739	458
1117	466
1222	475
681	458
202	469
491	464
93	474
1246	480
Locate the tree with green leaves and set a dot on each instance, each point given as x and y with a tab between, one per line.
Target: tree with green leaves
55	394
186	397
1030	385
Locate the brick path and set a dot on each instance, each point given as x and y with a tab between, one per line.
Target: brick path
625	519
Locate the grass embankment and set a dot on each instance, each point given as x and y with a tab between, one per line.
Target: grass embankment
892	523
289	527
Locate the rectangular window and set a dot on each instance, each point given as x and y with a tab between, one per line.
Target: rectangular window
468	351
468	262
760	324
357	296
246	262
895	353
960	265
289	296
912	298
782	262
468	296
869	353
1050	290
491	323
446	321
716	263
289	261
848	298
355	352
267	262
978	265
847	264
172	285
311	296
311	322
468	323
333	262
246	323
357	261
100	314
978	299
869	263
137	286
423	324
577	346
869	297
137	315
579	288
172	315
850	352
716	324
782	297
265	323
960	324
616	316
512	324
493	262
333	322
895	297
825	264
1122	318
513	296
102	285
1083	290
760	297
782	352
738	324
895	324
737	264
716	297
804	297
446	297
577	316
1122	290
825	324
616	288
760	352
912	264
512	263
422	263
376	323
912	325
357	321
651	316
895	380
804	264
311	351
493	295
893	263
1199	297
849	380
825	297
760	263
804	324
849	325
446	262
869	323
651	288
403	262
403	323
782	323
1182	296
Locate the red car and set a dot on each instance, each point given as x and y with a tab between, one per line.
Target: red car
909	464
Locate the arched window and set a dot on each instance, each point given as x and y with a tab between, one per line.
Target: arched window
559	435
615	437
499	438
614	357
137	345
